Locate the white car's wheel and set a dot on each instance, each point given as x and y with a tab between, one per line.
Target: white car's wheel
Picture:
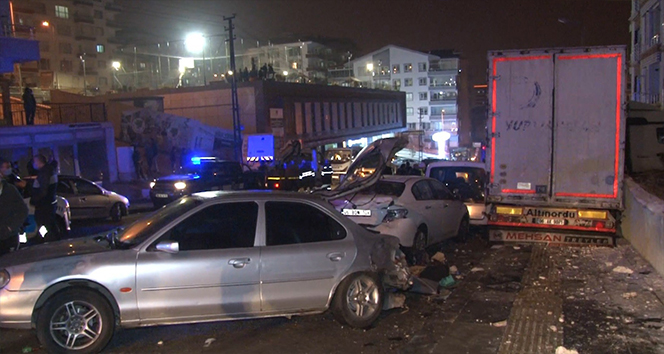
358	300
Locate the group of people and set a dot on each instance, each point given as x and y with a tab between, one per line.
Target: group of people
145	163
266	72
407	170
14	212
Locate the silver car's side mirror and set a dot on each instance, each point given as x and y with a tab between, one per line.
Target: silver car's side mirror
168	247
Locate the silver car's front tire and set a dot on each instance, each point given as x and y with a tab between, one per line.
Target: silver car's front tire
75	321
358	300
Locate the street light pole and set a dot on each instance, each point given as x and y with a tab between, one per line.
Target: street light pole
237	128
85	84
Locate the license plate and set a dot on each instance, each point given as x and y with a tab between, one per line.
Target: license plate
161	195
356	212
557	222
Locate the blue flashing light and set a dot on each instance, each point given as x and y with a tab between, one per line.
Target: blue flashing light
196	160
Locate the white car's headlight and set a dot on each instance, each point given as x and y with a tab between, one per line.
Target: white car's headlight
4	278
180	185
152	184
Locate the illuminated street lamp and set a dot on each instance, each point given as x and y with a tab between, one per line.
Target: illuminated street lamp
194	43
230	72
116	65
45	24
285	73
370	67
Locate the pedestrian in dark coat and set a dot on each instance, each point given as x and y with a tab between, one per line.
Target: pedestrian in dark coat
43	198
12	215
30	106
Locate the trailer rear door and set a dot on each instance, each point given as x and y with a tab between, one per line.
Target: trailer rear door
588	127
521	122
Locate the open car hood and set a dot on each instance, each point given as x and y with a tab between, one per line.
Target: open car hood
368	167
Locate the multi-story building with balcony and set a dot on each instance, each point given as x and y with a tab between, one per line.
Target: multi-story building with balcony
430	83
646	55
76	43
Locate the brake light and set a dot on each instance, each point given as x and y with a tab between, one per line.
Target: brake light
276	185
396	213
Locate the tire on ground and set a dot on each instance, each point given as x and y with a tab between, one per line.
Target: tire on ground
345	310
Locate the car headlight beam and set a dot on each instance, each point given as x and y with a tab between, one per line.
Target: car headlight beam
152	184
180	185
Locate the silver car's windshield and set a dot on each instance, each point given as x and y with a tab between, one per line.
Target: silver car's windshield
145	227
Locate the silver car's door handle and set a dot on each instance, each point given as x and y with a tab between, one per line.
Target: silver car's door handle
336	256
239	262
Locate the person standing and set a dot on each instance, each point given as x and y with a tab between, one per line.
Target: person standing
7	173
30	106
43	198
12	215
138	166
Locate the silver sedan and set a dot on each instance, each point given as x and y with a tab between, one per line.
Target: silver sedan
208	257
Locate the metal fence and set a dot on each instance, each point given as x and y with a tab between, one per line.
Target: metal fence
60	113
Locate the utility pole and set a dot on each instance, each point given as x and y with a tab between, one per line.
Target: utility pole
85	79
237	128
421	133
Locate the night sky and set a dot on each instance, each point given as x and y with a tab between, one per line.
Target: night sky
469	26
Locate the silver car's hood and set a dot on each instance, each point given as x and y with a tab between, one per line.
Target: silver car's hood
52	250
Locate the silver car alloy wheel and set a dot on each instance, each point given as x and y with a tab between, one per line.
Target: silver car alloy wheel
76	325
363	297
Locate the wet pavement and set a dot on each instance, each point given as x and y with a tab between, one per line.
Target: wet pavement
508	299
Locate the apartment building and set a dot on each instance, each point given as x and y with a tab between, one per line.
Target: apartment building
429	81
646	54
76	43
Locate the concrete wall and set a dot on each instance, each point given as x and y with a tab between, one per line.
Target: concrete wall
643	223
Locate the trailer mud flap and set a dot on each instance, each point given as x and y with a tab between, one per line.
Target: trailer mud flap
551	237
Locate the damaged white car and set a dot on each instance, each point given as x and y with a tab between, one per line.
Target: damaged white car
419	211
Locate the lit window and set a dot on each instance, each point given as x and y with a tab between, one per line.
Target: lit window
396	84
410	111
409	96
61	11
407	67
395	69
100	48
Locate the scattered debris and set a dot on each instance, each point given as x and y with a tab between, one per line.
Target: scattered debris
624	270
563	350
161	342
424	286
416	270
608	264
454	270
476	269
502	323
553	328
517	247
208	342
435	271
27	349
497	247
447	282
629	295
439	257
394	301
